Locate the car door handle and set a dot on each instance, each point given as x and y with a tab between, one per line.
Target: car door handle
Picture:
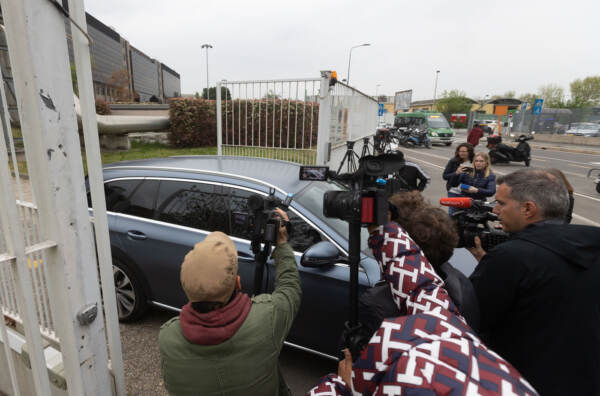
136	235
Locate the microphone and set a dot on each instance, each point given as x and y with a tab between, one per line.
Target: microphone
457	202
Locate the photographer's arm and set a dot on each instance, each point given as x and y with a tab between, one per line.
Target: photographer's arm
477	251
287	294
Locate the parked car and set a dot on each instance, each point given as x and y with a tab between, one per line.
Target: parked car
159	208
438	129
584	129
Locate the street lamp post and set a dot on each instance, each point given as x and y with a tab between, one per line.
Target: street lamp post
437	73
207	46
350	58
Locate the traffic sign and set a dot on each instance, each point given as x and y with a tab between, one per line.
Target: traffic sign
524	106
380	112
537	106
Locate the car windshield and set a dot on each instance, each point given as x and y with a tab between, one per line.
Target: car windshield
312	199
437	121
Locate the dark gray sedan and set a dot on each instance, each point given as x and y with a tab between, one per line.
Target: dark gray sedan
159	208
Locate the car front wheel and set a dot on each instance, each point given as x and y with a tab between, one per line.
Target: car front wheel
131	300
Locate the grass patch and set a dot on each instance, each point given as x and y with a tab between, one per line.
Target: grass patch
155	150
152	150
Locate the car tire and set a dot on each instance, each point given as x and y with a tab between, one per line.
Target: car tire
131	299
448	144
527	162
598	187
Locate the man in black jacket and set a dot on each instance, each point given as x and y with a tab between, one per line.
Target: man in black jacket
538	292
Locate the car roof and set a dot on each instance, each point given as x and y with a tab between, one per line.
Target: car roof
282	174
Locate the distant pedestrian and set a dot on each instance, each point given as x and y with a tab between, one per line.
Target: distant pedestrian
475	134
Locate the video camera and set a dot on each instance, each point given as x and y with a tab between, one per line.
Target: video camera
366	202
264	224
472	219
264	221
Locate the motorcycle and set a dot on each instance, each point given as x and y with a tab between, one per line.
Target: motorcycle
414	137
503	153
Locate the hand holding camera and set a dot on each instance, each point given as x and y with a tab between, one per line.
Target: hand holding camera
282	233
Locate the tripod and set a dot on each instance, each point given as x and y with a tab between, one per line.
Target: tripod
365	149
351	157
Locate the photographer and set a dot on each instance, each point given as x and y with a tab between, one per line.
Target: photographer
430	348
409	177
538	292
224	342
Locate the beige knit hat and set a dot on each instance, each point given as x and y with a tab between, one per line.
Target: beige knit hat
209	271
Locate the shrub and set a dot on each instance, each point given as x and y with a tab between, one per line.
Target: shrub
263	122
102	107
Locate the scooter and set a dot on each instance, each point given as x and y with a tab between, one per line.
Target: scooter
594	173
415	137
503	153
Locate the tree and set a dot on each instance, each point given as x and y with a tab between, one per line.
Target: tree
553	95
270	95
119	81
212	93
454	101
509	94
586	92
197	95
529	98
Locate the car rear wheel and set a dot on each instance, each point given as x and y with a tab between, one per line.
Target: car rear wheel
131	300
448	144
598	187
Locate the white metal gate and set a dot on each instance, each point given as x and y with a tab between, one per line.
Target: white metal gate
55	325
298	120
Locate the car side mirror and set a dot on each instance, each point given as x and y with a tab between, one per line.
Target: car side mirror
322	254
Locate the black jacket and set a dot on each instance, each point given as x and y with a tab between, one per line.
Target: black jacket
450	173
410	177
539	295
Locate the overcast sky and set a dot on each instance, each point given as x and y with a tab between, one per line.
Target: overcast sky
482	47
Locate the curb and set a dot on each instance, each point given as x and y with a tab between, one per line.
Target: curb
565	149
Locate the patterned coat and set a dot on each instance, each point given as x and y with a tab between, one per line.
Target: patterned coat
431	350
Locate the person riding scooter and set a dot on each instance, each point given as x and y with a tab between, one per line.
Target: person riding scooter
500	152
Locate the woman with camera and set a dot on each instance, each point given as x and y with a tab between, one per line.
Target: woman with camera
455	167
478	182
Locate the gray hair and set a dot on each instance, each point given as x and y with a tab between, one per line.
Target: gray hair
537	185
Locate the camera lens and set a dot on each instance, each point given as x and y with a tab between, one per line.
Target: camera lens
343	205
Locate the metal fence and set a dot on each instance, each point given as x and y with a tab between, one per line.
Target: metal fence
275	119
553	120
55	323
298	120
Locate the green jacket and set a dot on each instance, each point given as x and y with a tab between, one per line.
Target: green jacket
247	363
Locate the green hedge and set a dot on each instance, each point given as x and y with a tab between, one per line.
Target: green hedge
193	122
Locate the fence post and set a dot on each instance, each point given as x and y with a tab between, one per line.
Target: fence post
324	119
38	47
85	84
219	120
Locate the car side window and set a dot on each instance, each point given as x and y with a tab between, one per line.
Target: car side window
303	234
134	197
192	204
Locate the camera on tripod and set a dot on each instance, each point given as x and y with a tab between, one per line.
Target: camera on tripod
366	201
472	217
